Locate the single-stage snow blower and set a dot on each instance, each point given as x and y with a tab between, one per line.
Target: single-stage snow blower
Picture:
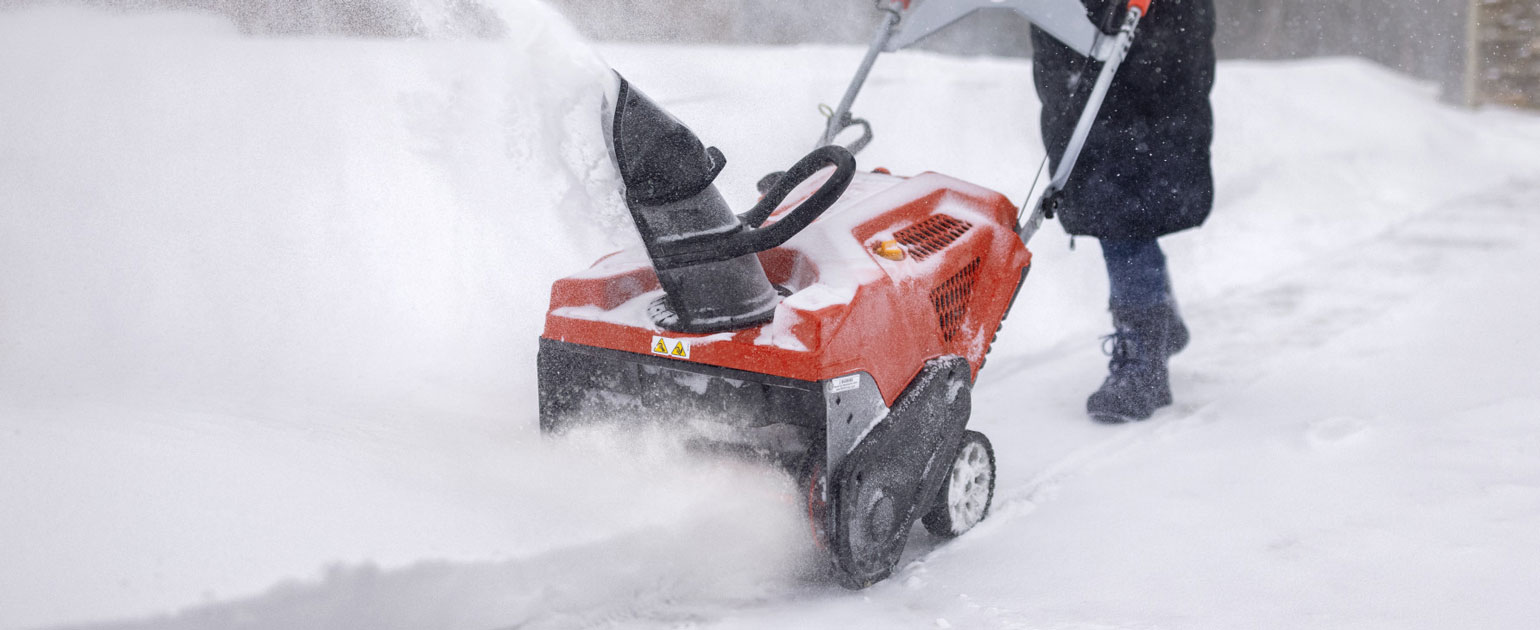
836	328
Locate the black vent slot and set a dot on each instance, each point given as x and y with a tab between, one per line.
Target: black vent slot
952	298
931	235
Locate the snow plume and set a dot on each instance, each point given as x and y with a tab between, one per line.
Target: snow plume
347	224
603	531
245	278
362	18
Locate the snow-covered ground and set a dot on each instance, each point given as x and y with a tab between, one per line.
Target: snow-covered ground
268	311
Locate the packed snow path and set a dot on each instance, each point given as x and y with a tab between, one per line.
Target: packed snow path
248	345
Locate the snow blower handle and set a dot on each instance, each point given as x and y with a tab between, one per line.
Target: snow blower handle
840	117
903	25
751	238
1112	58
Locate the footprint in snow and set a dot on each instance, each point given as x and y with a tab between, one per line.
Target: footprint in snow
1335	432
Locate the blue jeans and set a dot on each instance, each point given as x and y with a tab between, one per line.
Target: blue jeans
1136	269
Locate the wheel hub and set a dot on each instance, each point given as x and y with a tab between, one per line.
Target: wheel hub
968	486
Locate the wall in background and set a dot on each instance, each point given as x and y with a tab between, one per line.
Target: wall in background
1479	51
1424	38
1504	65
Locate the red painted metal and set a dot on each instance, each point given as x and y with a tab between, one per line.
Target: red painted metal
894	321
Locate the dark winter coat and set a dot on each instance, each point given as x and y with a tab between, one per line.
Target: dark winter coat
1145	170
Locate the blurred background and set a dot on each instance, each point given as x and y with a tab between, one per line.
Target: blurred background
1421	37
1477	51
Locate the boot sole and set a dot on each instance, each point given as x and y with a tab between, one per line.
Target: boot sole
1111	417
1116	418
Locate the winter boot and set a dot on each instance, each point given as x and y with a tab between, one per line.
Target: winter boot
1138	382
1179	336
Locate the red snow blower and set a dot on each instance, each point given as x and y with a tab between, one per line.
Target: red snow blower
836	328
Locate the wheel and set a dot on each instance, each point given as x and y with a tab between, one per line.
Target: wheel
813	482
965	496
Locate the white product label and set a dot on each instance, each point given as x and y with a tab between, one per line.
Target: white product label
845	383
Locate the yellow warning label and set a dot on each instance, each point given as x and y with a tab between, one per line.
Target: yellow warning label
676	348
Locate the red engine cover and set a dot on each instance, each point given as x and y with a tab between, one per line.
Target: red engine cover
850	310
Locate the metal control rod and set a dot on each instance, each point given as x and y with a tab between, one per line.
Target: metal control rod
1049	200
840	119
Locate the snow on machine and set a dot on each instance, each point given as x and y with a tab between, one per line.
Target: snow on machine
836	328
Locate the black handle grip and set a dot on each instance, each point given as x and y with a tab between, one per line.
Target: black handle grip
752	238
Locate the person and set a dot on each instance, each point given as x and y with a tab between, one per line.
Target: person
1145	172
